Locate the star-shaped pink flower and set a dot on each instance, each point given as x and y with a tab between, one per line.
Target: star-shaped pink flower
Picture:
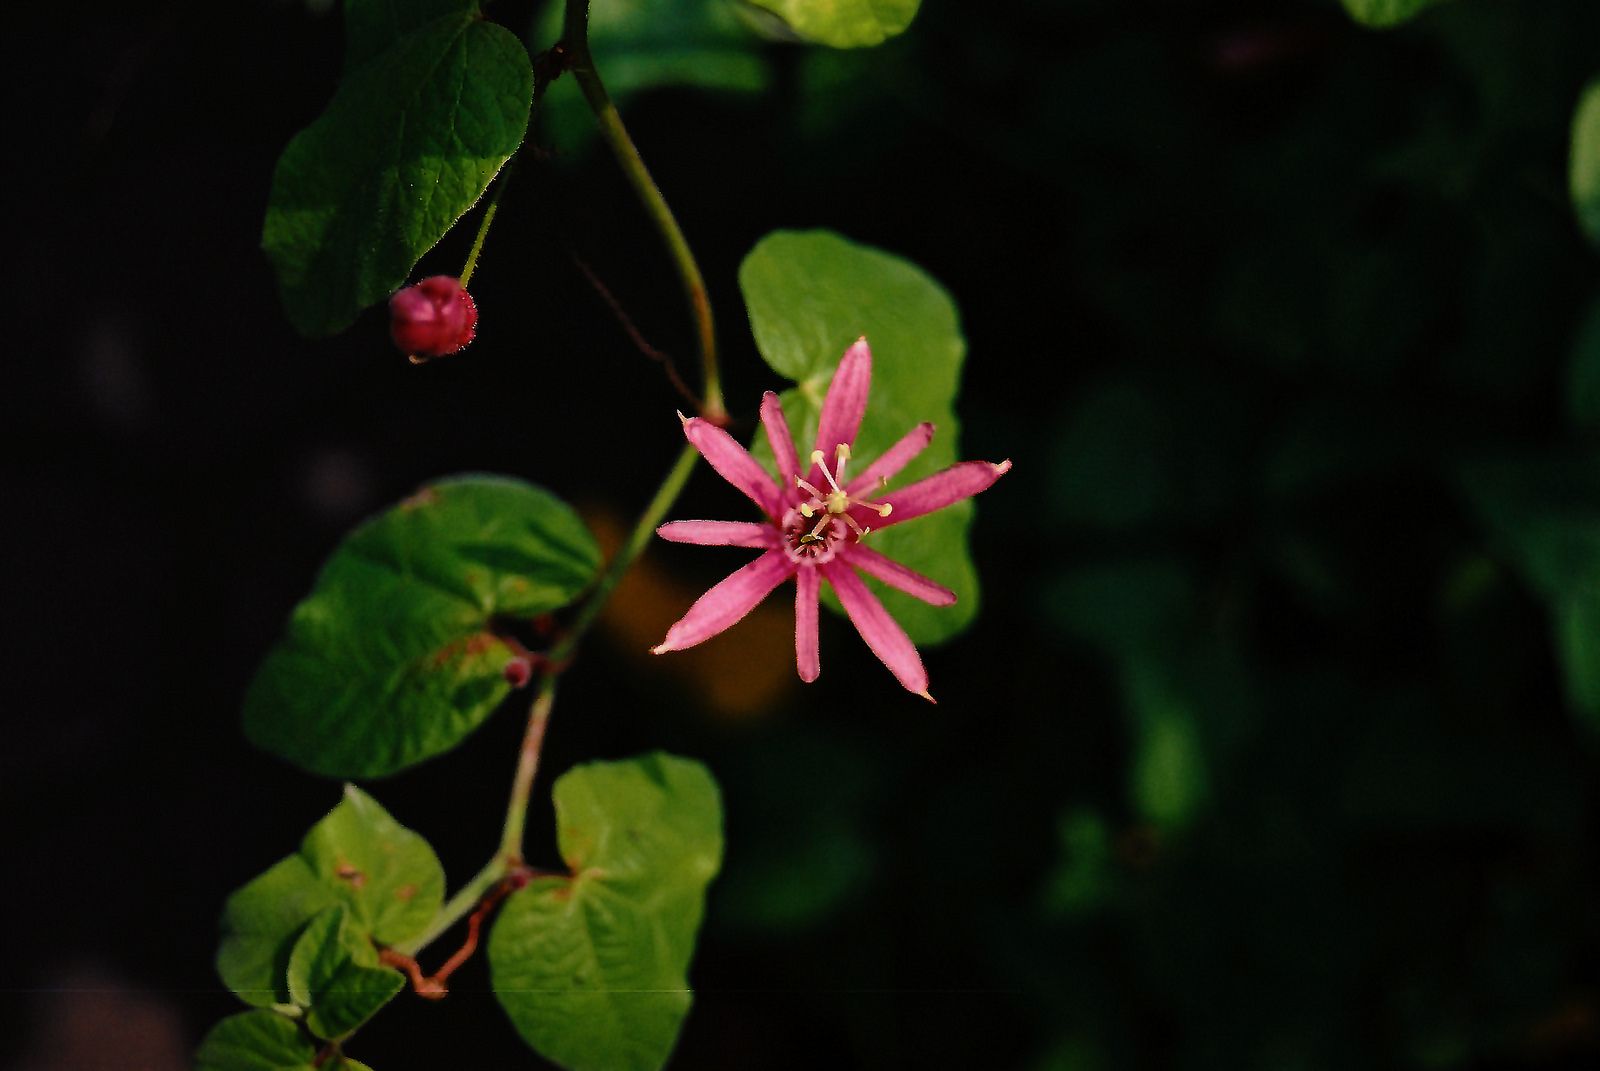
816	524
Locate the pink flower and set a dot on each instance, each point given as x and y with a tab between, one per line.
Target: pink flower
816	525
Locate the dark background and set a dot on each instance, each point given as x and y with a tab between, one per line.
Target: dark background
1259	754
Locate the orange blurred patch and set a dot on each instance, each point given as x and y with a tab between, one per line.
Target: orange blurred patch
740	673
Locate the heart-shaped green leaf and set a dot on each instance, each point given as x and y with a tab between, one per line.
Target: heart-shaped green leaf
386	879
809	296
256	1041
395	656
432	103
264	1041
335	976
593	968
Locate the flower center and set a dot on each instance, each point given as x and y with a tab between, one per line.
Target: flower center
836	502
811	539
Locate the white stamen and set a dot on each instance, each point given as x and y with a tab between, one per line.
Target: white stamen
833	483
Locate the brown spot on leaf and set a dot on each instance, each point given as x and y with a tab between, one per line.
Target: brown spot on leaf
425	497
467	647
405	892
348	871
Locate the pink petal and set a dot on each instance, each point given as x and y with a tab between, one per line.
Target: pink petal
782	442
727	603
806	654
942	489
734	463
896	575
892	460
846	401
886	638
720	533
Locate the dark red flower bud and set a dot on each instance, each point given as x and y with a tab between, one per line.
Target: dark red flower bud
519	671
432	318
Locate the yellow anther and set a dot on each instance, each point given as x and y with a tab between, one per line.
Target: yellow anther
838	502
842	452
886	509
816	457
806	511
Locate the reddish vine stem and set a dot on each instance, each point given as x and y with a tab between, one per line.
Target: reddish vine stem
634	334
573	54
436	985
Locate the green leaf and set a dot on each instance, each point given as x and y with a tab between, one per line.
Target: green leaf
1170	780
839	23
432	103
810	295
259	924
394	657
264	1041
1084	875
1585	166
593	968
317	953
256	1041
334	974
1578	641
386	874
1385	13
643	45
1583	373
1545	513
357	857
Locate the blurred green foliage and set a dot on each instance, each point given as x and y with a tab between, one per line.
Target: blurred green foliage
1266	754
1274	745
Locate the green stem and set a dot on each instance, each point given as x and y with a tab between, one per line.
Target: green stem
460	905
637	539
575	37
544	700
483	224
527	766
511	834
712	408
